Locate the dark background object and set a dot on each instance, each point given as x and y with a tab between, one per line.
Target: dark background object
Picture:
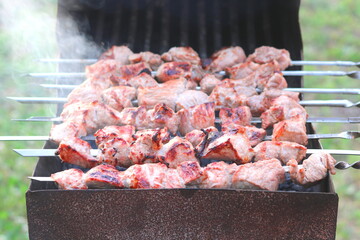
156	26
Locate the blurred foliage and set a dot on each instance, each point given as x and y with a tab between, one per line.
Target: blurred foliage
330	32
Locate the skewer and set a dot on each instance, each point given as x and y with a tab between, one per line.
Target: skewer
343	135
351	74
354	91
316	103
295	63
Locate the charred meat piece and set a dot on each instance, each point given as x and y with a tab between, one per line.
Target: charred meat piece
267	54
282	108
233	117
217	175
191	98
265	175
115	152
127	72
154	60
230	147
313	169
166	93
181	54
195	137
103	69
276	81
160	135
161	116
173	179
109	132
174	70
282	150
133	116
119	97
67	129
142	80
208	83
190	172
197	117
76	151
103	176
242	70
264	73
118	53
254	134
292	130
226	57
176	151
69	179
145	176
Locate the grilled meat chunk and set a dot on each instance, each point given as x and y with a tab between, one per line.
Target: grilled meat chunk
267	175
115	152
313	169
254	134
264	73
119	97
142	80
174	70
103	69
233	117
67	129
282	108
195	137
226	57
197	117
145	176
230	147
173	179
292	130
109	132
85	92
242	70
267	54
154	60
161	116
281	150
127	72
276	81
191	98
190	172
104	176
208	83
176	151
133	116
217	175
76	151
118	53
181	54
69	179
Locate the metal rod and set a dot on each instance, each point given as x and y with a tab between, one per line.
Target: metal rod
314	103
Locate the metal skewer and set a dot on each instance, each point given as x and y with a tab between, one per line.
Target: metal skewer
316	103
295	62
354	91
351	74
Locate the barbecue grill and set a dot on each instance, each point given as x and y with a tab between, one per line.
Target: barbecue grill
177	213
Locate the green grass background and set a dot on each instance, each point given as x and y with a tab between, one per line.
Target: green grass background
330	31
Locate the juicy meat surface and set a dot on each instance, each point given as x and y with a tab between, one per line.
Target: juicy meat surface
195	137
254	134
103	69
176	151
282	108
142	80
76	151
154	60
109	132
145	176
226	57
264	72
85	92
161	116
181	54
197	117
119	97
69	179
217	175
67	129
313	169
281	150
292	130
208	83
174	70
103	176
115	152
267	54
173	179
242	70
230	147
133	116
190	172
166	93
267	175
233	117
191	98
118	53
276	81
127	72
